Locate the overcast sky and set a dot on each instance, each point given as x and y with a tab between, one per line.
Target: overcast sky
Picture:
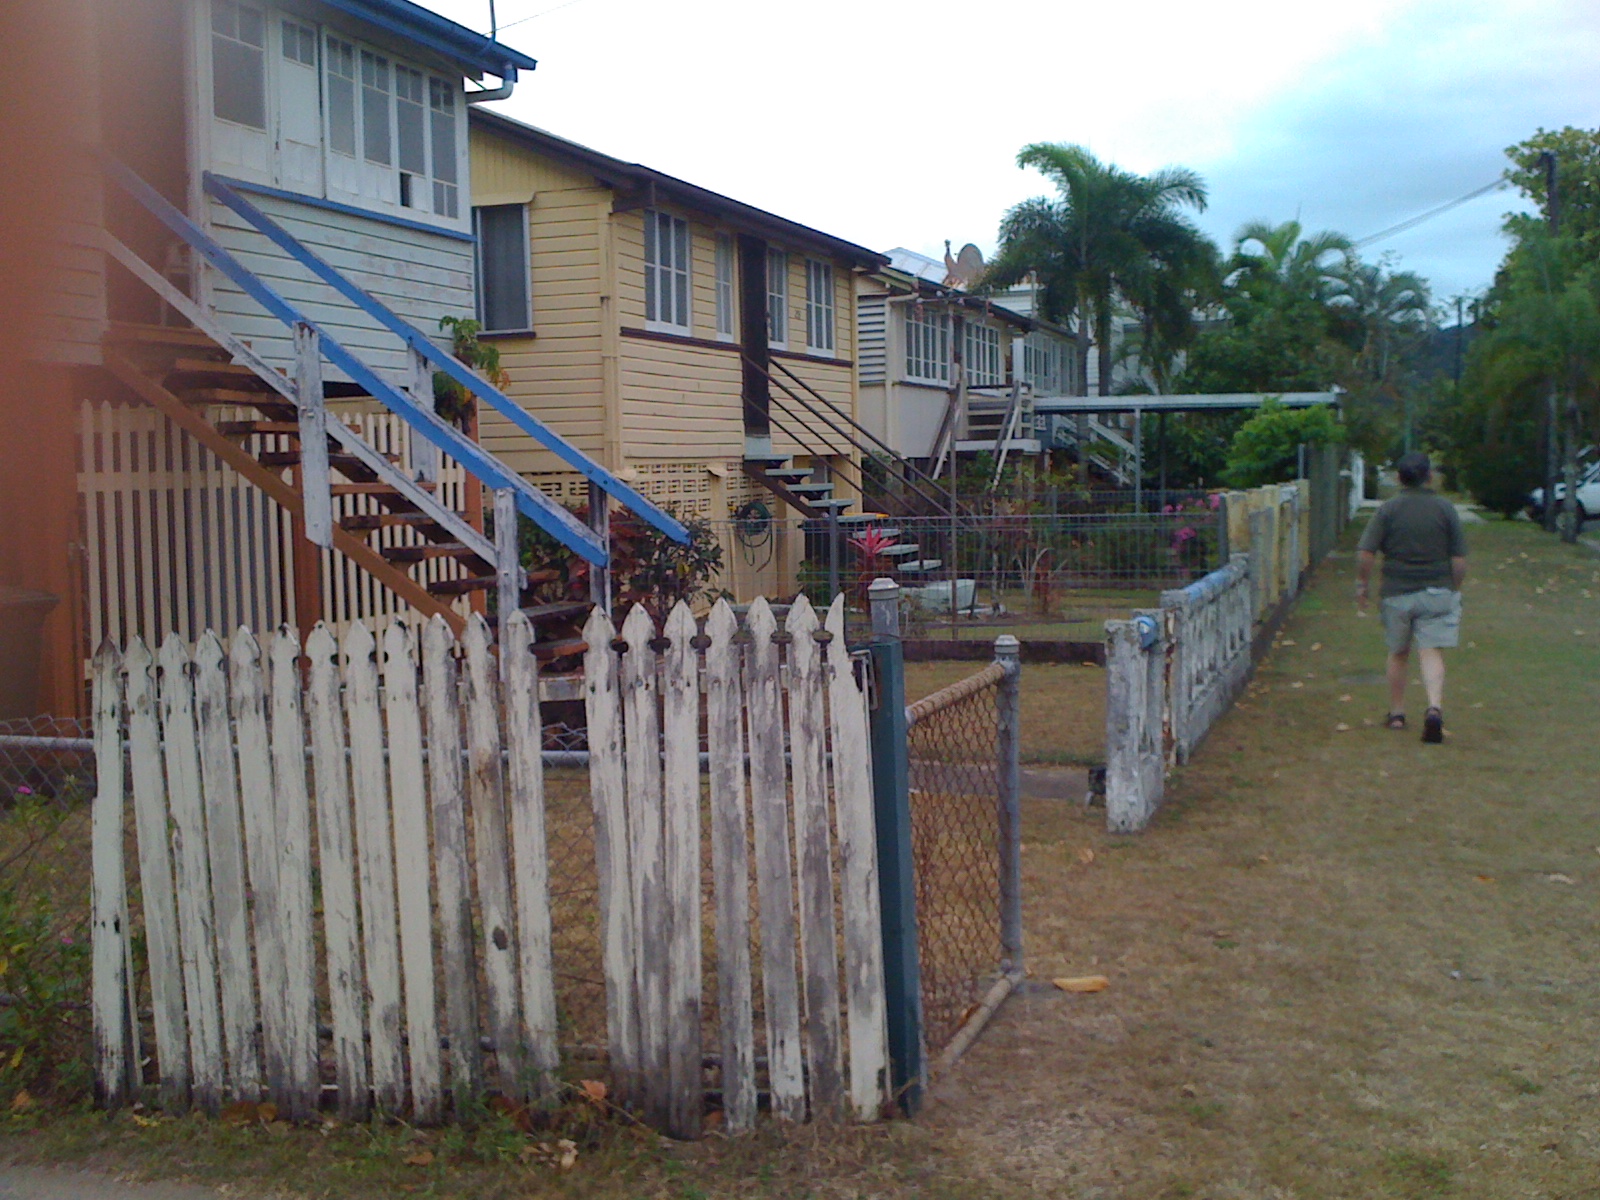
897	123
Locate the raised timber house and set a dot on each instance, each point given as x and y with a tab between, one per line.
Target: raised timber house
703	349
237	340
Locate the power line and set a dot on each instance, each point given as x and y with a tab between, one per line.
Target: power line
1413	222
541	13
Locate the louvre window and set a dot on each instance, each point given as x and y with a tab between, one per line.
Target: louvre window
927	345
725	293
981	346
819	306
666	271
777	298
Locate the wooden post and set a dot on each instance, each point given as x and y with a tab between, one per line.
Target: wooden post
508	560
419	384
600	522
312	528
897	883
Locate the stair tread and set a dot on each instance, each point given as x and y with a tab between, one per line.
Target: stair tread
373	489
556	611
160	335
412	554
810	489
921	565
565	648
900	551
829	503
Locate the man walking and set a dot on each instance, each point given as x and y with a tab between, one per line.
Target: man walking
1424	553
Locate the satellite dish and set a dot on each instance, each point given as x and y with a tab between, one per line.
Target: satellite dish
965	269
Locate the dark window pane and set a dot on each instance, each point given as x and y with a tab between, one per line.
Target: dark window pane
238	83
410	118
503	266
251	27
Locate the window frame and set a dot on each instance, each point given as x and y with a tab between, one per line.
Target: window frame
821	308
481	275
778	316
678	272
262	51
725	277
927	328
981	351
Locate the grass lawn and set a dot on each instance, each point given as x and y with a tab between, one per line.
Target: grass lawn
1342	964
1063	707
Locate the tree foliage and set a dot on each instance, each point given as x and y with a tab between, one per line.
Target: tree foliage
1266	447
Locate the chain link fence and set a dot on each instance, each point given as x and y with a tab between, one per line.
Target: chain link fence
964	840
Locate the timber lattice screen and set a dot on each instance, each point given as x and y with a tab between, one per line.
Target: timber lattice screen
359	883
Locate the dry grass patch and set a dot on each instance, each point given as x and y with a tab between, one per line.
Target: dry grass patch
1063	706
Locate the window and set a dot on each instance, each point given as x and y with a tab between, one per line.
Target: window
777	298
502	231
666	271
375	141
726	260
442	104
981	351
1041	365
341	97
238	64
819	305
299	44
927	344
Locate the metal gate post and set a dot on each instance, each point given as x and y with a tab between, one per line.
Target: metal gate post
1008	752
897	884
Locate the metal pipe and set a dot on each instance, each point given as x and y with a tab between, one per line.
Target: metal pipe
508	81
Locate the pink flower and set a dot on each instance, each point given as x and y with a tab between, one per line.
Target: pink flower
1166	508
66	939
1216	500
24	790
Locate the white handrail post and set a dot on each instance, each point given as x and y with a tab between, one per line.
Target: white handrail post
419	382
600	522
508	558
315	483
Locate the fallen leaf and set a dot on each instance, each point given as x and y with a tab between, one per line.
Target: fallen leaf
1368	721
422	1158
1288	642
1346	698
22	1102
1484	878
1341	727
1316	646
1083	983
1189	1089
594	1091
267	1112
241	1112
1478	704
1085	855
1297	684
1557	877
145	1122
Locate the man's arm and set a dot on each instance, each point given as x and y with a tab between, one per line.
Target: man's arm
1365	559
1458	570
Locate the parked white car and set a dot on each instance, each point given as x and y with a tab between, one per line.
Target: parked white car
1588	495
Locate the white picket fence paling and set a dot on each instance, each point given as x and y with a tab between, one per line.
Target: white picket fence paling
253	769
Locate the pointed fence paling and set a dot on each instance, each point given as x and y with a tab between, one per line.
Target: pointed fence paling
343	870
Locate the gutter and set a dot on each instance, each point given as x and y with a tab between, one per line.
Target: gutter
508	82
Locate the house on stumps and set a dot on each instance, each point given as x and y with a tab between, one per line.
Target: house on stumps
236	352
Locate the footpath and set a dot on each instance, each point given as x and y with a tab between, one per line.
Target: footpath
1341	963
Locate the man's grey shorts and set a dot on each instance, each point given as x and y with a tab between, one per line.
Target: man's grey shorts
1430	618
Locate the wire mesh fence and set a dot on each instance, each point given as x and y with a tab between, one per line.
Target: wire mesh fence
46	756
956	829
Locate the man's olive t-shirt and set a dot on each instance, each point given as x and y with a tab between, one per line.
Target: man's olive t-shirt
1418	533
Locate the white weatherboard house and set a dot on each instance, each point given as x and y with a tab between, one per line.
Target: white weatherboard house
240	343
347	123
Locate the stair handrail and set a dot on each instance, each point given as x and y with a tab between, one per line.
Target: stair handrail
221	189
533	503
853	423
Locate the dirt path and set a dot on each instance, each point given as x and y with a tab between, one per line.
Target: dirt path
28	1183
1342	963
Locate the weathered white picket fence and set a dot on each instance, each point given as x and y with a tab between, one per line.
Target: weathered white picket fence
793	692
1170	673
353	842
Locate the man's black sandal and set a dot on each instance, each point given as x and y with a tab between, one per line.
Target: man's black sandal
1433	726
1395	721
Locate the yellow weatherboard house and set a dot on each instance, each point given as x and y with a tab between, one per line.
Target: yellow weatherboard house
701	348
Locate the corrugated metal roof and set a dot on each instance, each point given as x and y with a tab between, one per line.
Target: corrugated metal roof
920	265
466	46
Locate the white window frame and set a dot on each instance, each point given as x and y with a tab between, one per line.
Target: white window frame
777	298
669	281
927	342
821	319
727	271
980	348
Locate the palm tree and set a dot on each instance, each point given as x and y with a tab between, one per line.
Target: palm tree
1386	304
1108	234
1267	255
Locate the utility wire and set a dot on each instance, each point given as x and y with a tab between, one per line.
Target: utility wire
540	13
1413	222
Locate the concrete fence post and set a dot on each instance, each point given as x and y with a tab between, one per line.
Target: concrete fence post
1008	753
897	881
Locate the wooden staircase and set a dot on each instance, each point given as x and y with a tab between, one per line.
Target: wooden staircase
192	380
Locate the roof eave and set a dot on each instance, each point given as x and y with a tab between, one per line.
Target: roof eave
466	46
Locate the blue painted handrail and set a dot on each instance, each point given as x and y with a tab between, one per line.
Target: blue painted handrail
531	502
508	408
